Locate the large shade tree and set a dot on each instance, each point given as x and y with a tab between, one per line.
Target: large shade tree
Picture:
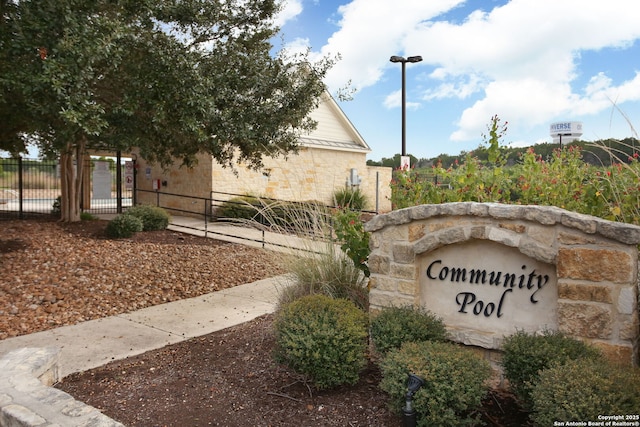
173	78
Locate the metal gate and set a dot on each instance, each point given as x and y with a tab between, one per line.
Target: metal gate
31	187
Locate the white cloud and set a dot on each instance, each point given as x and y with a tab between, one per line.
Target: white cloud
371	31
290	9
394	100
520	60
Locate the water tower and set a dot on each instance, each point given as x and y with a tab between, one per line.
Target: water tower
565	132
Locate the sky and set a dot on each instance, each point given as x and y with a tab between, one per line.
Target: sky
531	62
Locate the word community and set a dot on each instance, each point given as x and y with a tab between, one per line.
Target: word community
507	281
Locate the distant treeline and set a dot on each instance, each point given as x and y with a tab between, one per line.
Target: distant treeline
599	153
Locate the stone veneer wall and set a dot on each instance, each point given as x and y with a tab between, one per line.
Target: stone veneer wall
194	182
596	262
313	174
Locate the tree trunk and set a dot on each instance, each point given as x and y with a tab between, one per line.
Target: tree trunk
71	180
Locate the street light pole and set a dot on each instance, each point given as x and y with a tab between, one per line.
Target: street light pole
404	61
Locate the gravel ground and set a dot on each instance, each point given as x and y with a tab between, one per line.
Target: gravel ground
54	274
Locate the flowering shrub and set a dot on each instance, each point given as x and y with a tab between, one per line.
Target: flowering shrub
355	241
563	180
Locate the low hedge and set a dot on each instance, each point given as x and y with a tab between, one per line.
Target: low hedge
323	338
394	326
455	382
580	390
526	355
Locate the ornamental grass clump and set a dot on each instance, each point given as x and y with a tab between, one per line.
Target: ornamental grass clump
153	218
330	273
353	199
455	382
584	390
324	339
395	326
526	355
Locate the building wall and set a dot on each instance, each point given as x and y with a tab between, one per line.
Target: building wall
186	189
595	289
312	174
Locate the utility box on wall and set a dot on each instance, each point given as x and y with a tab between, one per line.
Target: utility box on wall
489	270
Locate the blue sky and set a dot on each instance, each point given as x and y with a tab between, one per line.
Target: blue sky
531	62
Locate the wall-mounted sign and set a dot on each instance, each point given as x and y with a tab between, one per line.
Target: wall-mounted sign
488	287
128	175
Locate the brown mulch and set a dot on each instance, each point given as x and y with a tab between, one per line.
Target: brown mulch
227	378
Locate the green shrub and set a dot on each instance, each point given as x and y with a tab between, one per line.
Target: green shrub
395	326
123	226
582	389
525	355
455	381
328	273
352	199
86	216
153	217
323	338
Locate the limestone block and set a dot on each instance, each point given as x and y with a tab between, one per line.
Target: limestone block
379	264
584	292
629	329
403	254
382	300
427	244
595	265
585	320
582	222
383	283
423	211
618	354
408	287
440	225
627	300
545	236
375	241
394	234
568	238
511	226
451	236
478	232
505	237
535	250
416	232
403	271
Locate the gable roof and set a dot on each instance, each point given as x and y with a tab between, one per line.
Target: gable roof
334	131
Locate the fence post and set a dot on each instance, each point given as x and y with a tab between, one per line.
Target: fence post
118	182
377	192
20	189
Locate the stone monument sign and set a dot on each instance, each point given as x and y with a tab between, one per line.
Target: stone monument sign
489	270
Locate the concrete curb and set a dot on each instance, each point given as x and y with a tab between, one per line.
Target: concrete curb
28	400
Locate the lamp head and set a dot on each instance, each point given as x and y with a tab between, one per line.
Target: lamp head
414	383
396	59
414	59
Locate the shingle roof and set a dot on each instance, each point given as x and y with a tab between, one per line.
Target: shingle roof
324	143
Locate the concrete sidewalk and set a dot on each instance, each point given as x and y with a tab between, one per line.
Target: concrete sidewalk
97	342
29	364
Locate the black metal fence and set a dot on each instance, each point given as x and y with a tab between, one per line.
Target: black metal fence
30	187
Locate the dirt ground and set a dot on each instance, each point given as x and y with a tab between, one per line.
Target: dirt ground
227	378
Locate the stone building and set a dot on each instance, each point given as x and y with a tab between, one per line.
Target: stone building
331	157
